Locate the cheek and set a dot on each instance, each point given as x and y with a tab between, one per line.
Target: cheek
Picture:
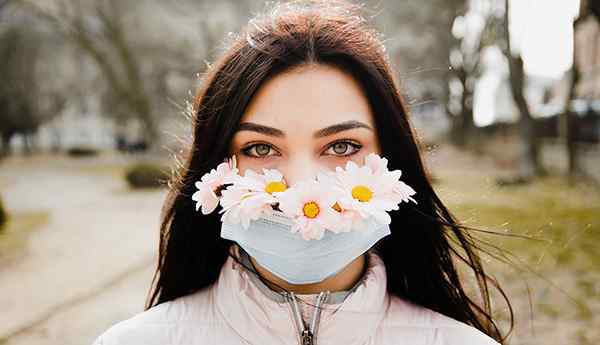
332	163
244	163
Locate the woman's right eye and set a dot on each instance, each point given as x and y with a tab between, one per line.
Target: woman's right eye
258	150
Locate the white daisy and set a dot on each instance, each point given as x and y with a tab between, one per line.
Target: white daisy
401	191
309	204
211	184
369	191
251	195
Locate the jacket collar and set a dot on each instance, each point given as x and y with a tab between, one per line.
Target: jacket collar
261	315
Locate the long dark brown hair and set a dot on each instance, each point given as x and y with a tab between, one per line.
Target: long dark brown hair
426	241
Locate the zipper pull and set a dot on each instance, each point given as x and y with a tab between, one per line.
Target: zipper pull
307	334
307	337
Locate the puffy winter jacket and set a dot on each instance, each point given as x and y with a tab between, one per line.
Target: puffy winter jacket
240	309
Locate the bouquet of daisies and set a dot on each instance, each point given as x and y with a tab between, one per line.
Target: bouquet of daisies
338	201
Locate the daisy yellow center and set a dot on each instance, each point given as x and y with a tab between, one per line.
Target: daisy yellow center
311	209
362	193
275	186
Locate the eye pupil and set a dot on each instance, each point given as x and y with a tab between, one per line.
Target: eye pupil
262	149
340	148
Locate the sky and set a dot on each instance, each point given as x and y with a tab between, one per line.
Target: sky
542	30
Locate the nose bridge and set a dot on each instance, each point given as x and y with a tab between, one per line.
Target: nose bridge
300	167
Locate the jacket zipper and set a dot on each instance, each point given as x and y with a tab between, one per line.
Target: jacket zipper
307	335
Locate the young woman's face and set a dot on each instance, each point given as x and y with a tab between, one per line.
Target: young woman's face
304	120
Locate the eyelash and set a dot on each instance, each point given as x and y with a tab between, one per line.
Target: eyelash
246	150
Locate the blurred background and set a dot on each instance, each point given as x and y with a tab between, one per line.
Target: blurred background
95	99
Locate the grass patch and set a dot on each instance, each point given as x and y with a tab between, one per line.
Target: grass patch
561	264
565	219
14	236
569	235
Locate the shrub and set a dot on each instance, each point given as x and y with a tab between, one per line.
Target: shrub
3	215
81	151
146	175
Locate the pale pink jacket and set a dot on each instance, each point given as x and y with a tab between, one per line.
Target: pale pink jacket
241	309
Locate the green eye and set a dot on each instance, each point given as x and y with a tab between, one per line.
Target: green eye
340	148
262	149
343	148
258	150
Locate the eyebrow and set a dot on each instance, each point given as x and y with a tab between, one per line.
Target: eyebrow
340	127
327	131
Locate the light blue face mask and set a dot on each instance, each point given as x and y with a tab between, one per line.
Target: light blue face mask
296	260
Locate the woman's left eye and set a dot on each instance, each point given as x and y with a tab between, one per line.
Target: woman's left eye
343	148
258	150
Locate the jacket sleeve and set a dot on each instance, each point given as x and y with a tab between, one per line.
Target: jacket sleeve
98	341
461	334
449	331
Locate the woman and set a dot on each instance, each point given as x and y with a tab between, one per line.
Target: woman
307	87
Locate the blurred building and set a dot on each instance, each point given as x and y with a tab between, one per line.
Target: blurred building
586	104
587	52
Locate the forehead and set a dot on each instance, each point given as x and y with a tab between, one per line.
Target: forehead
309	98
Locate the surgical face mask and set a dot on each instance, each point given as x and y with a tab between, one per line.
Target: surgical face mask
312	230
287	255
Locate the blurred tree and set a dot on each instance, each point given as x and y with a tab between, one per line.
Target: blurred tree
473	30
22	101
97	29
419	39
3	215
530	164
3	3
213	23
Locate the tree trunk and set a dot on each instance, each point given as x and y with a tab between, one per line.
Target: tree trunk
463	126
530	162
530	152
567	128
5	149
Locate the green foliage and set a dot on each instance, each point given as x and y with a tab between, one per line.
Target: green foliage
3	215
17	231
81	151
146	175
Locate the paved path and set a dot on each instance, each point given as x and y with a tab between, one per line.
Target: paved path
91	264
